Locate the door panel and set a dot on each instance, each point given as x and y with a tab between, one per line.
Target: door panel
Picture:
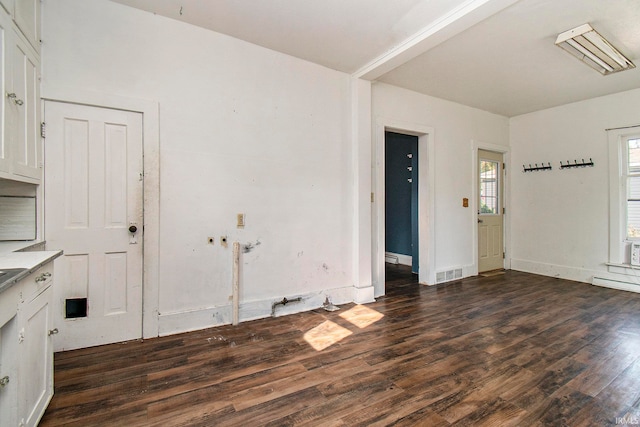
93	193
490	211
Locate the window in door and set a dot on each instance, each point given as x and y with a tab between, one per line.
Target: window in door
489	187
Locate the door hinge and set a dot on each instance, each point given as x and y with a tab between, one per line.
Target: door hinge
373	199
43	130
504	211
503	255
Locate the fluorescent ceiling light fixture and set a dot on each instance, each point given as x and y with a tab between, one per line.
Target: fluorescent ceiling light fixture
587	45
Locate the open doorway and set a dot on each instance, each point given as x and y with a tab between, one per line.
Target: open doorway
401	205
425	202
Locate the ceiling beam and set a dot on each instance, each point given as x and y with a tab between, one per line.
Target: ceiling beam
456	21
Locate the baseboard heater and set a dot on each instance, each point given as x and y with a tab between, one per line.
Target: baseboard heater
622	285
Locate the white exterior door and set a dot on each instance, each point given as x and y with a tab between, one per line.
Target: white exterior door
93	212
490	211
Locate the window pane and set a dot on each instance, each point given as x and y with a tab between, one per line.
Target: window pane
633	219
488	187
633	187
634	155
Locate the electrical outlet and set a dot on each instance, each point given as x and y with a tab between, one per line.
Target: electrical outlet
240	222
211	240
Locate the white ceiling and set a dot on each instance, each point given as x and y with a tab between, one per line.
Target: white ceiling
497	55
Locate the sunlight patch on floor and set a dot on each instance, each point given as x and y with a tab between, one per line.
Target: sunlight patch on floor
325	335
328	333
361	316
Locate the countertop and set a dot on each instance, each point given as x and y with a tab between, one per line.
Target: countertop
18	255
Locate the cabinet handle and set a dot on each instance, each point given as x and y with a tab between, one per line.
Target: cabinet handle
43	277
4	381
13	96
53	331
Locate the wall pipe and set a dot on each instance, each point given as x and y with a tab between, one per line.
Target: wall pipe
236	283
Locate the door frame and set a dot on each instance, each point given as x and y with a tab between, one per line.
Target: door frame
151	187
426	200
475	146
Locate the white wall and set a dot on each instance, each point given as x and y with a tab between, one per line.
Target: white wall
455	127
242	129
560	218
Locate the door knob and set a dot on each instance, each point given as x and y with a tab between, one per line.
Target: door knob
479	221
133	229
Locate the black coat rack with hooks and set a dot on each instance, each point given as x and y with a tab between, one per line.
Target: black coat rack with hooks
536	168
575	164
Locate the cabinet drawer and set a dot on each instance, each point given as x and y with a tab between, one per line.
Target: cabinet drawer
36	282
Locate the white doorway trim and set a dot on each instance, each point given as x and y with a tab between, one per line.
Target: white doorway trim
426	200
475	146
151	161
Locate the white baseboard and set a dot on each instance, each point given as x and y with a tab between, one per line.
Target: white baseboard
400	258
553	270
186	321
364	295
616	284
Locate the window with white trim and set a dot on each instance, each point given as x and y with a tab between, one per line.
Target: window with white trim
624	193
631	181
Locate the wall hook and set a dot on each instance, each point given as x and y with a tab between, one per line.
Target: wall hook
576	164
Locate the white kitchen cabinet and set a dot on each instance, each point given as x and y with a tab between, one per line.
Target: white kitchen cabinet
27	18
6	69
26	350
9	373
26	15
36	356
20	146
24	140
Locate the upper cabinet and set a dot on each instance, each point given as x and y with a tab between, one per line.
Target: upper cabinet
26	14
25	138
27	17
20	143
5	34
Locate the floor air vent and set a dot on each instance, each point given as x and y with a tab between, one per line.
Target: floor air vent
448	275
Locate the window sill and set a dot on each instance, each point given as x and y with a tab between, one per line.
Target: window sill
623	268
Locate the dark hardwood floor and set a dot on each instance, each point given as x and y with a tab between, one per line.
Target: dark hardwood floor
511	349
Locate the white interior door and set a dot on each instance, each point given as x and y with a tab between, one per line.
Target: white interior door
490	211
93	212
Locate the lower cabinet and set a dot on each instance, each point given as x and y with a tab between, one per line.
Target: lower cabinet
26	353
35	388
9	373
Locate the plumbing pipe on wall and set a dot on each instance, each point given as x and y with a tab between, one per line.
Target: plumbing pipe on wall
236	282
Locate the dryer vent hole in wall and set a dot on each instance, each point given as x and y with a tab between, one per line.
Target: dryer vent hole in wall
75	308
448	275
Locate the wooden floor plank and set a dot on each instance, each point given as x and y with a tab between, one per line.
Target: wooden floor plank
511	349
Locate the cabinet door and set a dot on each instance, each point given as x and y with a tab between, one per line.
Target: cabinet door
27	17
36	358
5	72
9	373
25	149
